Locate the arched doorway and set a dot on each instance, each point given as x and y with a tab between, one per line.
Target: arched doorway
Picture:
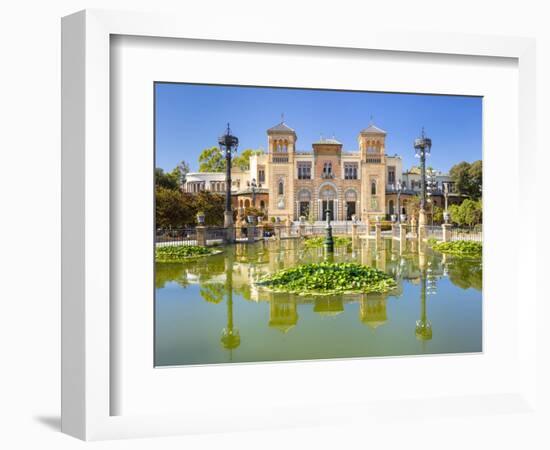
351	203
304	203
327	195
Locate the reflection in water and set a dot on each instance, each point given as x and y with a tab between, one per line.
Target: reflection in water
282	326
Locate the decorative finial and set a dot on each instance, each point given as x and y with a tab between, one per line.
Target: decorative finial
282	117
423	135
228	129
371	120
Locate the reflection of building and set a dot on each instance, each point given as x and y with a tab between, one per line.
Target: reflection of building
372	310
292	183
328	306
283	312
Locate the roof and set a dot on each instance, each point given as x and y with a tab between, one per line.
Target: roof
327	141
373	129
281	127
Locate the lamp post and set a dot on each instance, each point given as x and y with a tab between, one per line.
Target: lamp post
329	241
228	144
422	147
398	190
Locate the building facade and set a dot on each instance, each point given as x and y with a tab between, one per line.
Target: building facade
325	180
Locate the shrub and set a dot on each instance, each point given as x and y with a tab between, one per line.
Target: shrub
460	248
176	253
328	278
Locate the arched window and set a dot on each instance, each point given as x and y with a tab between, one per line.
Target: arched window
247	203
281	187
373	187
327	169
391	211
262	204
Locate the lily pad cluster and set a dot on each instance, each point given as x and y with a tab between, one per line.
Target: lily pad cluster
317	242
177	253
470	249
328	278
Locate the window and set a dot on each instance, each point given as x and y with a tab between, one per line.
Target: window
373	187
304	171
281	187
261	176
327	170
391	175
350	171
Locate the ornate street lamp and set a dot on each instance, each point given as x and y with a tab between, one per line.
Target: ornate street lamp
398	189
328	243
422	147
228	144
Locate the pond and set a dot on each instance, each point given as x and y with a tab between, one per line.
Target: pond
209	310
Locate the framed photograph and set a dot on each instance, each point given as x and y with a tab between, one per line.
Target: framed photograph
265	232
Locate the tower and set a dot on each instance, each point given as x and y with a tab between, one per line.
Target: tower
372	148
281	144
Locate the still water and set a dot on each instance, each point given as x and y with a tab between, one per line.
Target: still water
209	311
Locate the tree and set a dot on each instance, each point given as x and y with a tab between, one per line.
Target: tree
468	213
182	170
476	179
242	161
211	160
166	180
170	211
437	214
468	178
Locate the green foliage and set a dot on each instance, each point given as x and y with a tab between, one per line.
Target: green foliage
211	160
176	209
176	253
317	242
469	249
468	213
438	214
251	211
328	278
171	210
167	180
242	161
468	178
466	273
212	292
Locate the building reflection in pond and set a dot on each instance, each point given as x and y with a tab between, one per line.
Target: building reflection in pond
283	312
372	310
231	276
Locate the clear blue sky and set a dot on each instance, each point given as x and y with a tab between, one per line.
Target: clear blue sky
190	117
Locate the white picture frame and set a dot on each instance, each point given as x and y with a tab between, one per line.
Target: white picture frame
87	353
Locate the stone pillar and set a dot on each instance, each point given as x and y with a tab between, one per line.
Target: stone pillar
302	229
446	232
201	236
251	233
378	231
278	232
227	219
261	231
422	222
413	226
403	232
354	231
368	226
229	235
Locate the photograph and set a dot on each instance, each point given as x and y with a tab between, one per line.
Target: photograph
297	224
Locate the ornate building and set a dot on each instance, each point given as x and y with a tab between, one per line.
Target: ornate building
289	183
326	178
